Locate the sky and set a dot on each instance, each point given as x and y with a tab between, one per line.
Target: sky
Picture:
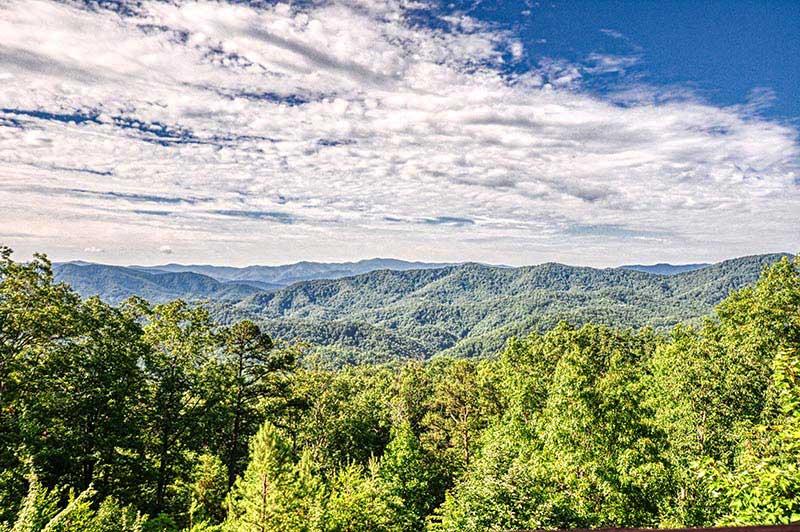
503	132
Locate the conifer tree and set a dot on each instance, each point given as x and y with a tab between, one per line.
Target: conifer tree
38	508
263	499
254	369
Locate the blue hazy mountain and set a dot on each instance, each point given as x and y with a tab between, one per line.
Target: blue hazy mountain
116	283
203	282
663	268
285	275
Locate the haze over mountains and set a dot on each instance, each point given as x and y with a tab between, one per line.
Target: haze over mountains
200	281
665	269
203	281
397	309
287	274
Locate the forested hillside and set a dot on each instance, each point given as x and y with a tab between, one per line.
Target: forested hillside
151	417
471	309
116	284
463	310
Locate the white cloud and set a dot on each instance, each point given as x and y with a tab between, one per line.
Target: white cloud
166	250
608	63
343	131
614	34
93	249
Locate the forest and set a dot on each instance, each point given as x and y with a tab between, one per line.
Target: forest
463	310
156	417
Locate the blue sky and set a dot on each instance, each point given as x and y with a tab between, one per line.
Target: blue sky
724	51
593	133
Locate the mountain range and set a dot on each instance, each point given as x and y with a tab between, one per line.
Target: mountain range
663	268
287	274
117	283
199	281
419	310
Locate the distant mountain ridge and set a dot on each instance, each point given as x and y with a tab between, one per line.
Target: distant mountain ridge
292	273
471	309
117	283
465	309
203	282
662	268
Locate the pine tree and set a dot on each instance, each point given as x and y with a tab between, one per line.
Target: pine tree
263	498
38	508
254	368
207	491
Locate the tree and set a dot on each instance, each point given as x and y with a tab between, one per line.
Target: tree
709	387
180	367
207	491
596	433
254	369
41	512
574	448
507	487
360	501
408	475
455	416
340	417
38	508
272	495
36	315
413	389
83	422
764	485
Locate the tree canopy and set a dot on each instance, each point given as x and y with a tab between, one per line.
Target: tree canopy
146	417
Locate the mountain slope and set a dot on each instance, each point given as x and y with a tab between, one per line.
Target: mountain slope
116	283
471	309
292	273
665	269
468	309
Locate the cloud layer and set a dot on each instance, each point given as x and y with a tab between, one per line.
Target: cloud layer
226	133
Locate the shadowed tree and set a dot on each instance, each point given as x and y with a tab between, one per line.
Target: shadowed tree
254	369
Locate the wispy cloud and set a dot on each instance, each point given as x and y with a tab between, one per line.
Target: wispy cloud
614	34
340	130
449	220
607	63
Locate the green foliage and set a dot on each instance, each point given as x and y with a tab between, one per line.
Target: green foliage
273	493
763	486
86	408
180	371
41	512
408	475
360	501
710	387
35	314
108	414
207	491
38	508
253	369
471	310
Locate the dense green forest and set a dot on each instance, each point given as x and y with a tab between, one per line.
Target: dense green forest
153	417
466	310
